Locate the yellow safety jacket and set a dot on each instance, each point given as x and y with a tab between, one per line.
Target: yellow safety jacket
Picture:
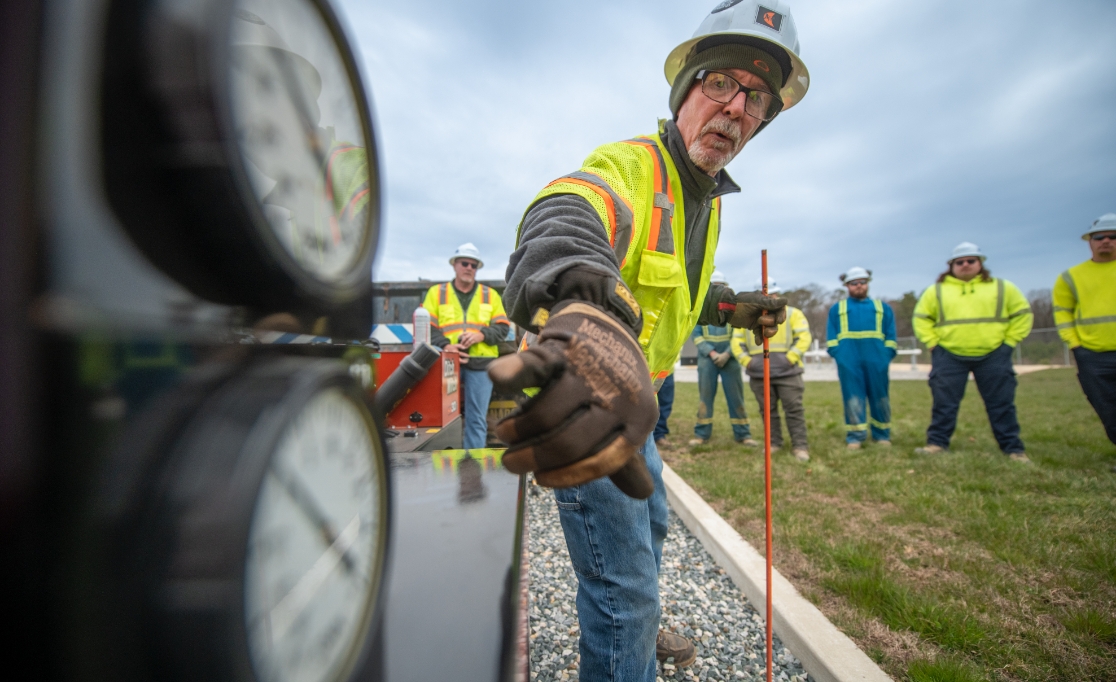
972	318
1085	306
792	338
485	309
636	190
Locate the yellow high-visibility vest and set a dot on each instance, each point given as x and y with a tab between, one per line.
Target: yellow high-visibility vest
1085	306
792	337
636	190
485	309
972	318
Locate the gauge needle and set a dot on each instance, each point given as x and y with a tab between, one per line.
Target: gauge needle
284	613
313	512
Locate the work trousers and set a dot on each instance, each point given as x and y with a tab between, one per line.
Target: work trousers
733	382
1097	374
995	379
616	546
789	391
665	397
864	390
476	390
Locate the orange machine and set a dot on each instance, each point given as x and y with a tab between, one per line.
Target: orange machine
434	402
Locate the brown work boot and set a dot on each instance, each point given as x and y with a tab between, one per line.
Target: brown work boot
697	441
662	443
670	645
748	442
852	446
929	450
883	443
1020	457
801	454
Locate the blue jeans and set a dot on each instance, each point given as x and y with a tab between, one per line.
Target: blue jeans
666	404
733	382
616	545
995	379
477	391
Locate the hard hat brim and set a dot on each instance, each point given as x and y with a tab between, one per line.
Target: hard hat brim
798	82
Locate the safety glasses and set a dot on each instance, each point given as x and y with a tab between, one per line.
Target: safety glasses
1111	236
472	265
722	88
966	261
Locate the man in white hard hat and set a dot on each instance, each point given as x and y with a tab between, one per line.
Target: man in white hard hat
1085	312
467	317
860	335
715	359
971	321
615	259
786	350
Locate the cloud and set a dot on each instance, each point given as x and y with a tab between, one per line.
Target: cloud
926	124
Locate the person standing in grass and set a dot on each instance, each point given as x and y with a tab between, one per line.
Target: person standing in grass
1085	312
786	350
971	321
714	359
860	335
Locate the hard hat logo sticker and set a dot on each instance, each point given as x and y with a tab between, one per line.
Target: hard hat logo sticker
769	18
763	65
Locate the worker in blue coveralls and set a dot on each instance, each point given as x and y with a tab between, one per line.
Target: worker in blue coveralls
715	359
861	338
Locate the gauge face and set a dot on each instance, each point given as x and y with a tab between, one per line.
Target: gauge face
315	545
299	132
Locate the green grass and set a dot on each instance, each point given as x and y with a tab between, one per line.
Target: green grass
964	566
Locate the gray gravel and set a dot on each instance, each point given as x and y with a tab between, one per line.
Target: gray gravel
699	602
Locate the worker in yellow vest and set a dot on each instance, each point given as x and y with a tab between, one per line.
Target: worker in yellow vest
1085	312
612	268
468	317
786	351
971	321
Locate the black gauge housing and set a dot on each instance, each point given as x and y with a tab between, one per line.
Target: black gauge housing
175	175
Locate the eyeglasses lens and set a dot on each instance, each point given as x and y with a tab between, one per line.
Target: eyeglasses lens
467	264
966	261
1102	237
722	88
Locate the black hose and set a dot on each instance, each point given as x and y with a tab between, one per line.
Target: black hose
411	371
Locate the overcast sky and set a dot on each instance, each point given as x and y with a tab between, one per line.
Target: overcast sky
926	124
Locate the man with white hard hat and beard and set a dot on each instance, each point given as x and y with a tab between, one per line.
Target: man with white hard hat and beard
612	268
860	335
1085	312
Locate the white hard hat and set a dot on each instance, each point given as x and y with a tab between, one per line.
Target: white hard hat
467	250
250	33
767	25
772	286
966	249
1105	223
854	273
718	277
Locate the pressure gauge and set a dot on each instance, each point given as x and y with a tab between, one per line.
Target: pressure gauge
274	518
247	121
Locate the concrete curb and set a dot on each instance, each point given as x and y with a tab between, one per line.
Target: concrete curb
826	653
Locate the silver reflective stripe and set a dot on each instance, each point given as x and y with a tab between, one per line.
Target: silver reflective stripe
1105	319
974	320
941	308
1068	279
622	220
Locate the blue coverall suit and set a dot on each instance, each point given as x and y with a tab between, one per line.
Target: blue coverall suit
861	339
707	339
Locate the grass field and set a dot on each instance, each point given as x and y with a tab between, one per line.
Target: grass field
964	566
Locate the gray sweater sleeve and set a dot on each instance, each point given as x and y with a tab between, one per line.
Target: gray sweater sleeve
559	232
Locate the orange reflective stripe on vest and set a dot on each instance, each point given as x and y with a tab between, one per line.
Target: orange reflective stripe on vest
660	236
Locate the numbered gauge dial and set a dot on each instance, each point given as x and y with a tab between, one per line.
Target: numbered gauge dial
238	149
298	128
315	538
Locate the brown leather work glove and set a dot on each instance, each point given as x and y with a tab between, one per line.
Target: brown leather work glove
759	314
596	407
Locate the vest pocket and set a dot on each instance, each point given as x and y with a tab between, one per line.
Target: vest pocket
659	270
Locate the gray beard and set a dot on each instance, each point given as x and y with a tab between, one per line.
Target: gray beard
710	160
